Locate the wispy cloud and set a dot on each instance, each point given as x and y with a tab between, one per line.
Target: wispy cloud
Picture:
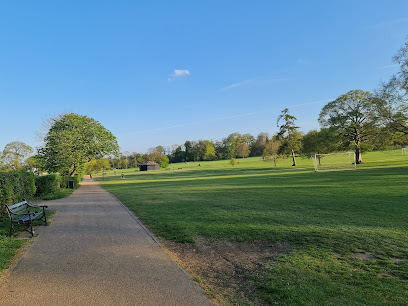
388	66
279	80
387	23
235	85
178	73
256	82
206	122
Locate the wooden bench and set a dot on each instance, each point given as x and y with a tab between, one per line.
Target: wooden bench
24	214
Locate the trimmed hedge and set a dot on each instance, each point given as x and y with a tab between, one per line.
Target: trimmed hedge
47	184
16	186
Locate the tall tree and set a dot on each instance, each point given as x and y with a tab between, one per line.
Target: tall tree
353	116
243	150
231	144
393	95
189	154
288	134
74	140
271	151
259	144
209	150
14	154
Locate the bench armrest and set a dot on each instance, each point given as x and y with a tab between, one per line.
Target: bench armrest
37	206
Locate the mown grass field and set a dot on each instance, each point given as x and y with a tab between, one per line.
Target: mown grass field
348	230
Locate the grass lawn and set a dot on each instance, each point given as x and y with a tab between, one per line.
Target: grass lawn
347	229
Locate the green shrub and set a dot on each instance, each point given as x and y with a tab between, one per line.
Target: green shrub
16	186
78	179
64	181
47	184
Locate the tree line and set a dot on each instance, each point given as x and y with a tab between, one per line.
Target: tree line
357	120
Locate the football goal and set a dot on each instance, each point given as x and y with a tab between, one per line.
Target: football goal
334	161
405	151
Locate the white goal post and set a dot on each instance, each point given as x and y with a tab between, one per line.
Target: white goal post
334	161
405	151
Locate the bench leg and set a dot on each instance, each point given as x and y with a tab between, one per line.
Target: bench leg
44	217
11	229
29	228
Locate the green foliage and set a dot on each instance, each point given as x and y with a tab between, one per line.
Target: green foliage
14	153
271	151
16	186
74	140
96	165
156	155
258	145
393	95
243	150
288	134
164	161
78	179
47	184
354	117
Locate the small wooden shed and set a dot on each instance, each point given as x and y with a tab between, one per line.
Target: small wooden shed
149	166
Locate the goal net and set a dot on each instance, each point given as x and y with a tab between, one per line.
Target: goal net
334	161
405	151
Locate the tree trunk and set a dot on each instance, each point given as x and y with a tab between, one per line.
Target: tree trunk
359	160
72	172
293	158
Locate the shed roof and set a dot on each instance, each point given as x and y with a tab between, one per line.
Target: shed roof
149	163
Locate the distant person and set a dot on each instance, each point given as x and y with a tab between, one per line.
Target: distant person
90	176
114	172
123	175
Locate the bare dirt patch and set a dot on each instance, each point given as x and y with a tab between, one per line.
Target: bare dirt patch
365	256
398	260
225	269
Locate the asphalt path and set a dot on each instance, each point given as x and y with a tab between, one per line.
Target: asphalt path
96	253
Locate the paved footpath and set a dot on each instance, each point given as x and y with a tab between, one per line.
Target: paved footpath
95	253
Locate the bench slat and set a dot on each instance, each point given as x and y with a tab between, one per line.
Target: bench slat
12	207
25	218
19	210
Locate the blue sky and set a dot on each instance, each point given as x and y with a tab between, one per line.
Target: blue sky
162	72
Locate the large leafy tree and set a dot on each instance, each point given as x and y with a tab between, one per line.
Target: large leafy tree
14	154
243	150
393	95
288	134
353	116
74	140
258	144
324	141
271	151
